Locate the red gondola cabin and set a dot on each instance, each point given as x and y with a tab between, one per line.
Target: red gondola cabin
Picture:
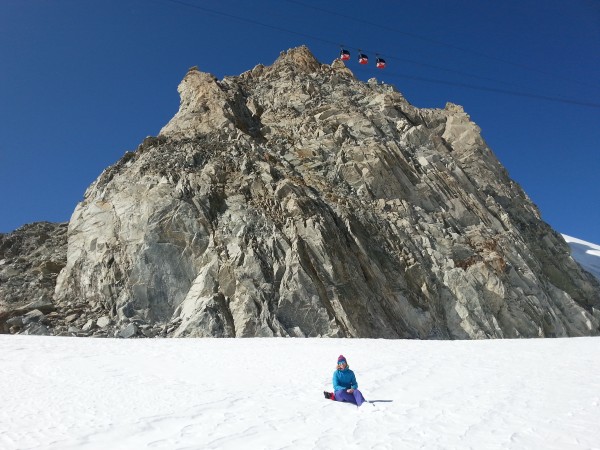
380	63
362	58
344	55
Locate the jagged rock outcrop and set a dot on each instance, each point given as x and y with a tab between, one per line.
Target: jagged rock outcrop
296	200
30	259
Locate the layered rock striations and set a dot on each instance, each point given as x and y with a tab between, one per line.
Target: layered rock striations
296	200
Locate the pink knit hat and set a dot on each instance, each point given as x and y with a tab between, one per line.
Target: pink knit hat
341	358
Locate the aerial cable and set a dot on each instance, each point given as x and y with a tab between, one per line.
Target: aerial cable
251	21
428	80
444	69
326	41
496	90
433	41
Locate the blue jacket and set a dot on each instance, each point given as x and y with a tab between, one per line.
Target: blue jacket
344	379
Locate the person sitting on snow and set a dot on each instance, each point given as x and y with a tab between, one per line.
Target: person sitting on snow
345	387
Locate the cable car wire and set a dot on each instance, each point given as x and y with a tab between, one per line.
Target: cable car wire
433	66
496	90
436	42
329	42
416	78
251	21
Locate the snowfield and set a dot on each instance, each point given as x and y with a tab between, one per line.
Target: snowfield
84	393
586	254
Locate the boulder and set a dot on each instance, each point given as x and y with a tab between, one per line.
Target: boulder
33	316
72	317
36	329
128	331
103	322
89	325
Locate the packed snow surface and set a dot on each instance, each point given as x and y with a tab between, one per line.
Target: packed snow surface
83	393
586	254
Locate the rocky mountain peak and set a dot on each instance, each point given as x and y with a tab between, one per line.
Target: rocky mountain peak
296	200
204	106
299	58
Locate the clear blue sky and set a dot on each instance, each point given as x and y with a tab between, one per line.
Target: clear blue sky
83	81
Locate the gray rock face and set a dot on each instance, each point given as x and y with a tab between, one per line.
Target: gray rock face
295	200
30	260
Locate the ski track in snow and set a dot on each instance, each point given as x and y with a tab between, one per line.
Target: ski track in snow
83	393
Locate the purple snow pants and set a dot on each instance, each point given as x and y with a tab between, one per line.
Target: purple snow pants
356	397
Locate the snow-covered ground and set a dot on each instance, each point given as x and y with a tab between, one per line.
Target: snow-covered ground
82	393
586	254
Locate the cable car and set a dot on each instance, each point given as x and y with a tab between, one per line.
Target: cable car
380	63
344	55
362	58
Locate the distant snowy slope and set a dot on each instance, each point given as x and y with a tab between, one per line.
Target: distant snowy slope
586	254
266	393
